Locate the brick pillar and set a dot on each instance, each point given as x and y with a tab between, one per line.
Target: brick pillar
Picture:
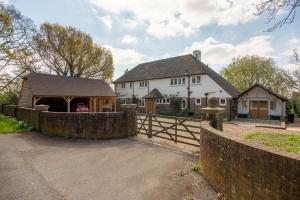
39	109
130	114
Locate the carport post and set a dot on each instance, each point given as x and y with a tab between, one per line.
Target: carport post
69	99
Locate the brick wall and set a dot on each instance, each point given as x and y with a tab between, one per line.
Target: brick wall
88	125
27	115
10	110
101	125
247	171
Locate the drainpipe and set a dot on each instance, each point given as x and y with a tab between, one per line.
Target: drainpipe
189	92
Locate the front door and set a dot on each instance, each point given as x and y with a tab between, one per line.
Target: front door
259	109
150	105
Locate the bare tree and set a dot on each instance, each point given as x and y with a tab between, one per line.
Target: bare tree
16	33
273	8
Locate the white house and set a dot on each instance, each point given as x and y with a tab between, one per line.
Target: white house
262	103
186	77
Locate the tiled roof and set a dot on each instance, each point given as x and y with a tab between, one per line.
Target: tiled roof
53	85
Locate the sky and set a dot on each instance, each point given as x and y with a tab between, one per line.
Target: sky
138	31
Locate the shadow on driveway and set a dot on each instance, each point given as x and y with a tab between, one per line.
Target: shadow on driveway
33	166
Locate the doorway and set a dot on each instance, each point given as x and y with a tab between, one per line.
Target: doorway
150	105
259	109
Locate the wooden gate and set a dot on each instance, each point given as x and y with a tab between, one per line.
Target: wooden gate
177	129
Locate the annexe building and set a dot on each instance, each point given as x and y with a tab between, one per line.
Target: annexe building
152	84
259	102
61	93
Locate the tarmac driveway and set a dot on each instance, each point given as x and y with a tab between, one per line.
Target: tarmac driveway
33	166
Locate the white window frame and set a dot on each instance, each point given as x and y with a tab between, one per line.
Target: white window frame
196	79
123	85
198	104
220	102
275	105
162	101
142	102
177	81
123	101
143	84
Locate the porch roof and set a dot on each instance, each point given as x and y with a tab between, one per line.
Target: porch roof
153	94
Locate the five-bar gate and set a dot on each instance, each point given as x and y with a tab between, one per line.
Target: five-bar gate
177	129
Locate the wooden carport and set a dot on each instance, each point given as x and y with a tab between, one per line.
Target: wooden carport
36	87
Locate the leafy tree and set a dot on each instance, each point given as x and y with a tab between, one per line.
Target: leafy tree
246	71
276	8
69	52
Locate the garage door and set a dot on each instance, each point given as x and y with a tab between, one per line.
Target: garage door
259	109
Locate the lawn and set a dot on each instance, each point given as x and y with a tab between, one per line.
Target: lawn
281	141
10	125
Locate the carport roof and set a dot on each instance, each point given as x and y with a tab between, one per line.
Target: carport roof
54	85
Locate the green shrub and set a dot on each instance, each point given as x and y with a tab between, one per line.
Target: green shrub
196	168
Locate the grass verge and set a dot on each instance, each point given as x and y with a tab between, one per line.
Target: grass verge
281	141
10	125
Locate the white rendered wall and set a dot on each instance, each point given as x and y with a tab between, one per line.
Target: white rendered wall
260	94
163	85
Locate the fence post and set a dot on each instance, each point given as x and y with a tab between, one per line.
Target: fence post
150	125
176	130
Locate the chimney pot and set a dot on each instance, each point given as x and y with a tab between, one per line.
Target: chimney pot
197	54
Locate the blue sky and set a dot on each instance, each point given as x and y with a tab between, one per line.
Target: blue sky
137	31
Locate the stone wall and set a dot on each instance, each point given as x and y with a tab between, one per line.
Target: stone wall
246	171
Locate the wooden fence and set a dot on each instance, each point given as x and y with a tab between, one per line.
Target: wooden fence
177	129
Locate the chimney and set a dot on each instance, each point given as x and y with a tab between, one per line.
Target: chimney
197	54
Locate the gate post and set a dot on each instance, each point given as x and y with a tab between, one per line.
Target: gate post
176	130
213	113
150	125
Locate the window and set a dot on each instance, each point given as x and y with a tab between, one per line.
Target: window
123	85
196	79
177	81
222	101
198	101
105	101
183	103
143	84
162	101
244	105
131	85
183	80
123	101
273	105
142	102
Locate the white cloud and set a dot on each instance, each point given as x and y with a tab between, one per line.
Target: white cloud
106	20
129	39
170	18
221	53
127	57
291	67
